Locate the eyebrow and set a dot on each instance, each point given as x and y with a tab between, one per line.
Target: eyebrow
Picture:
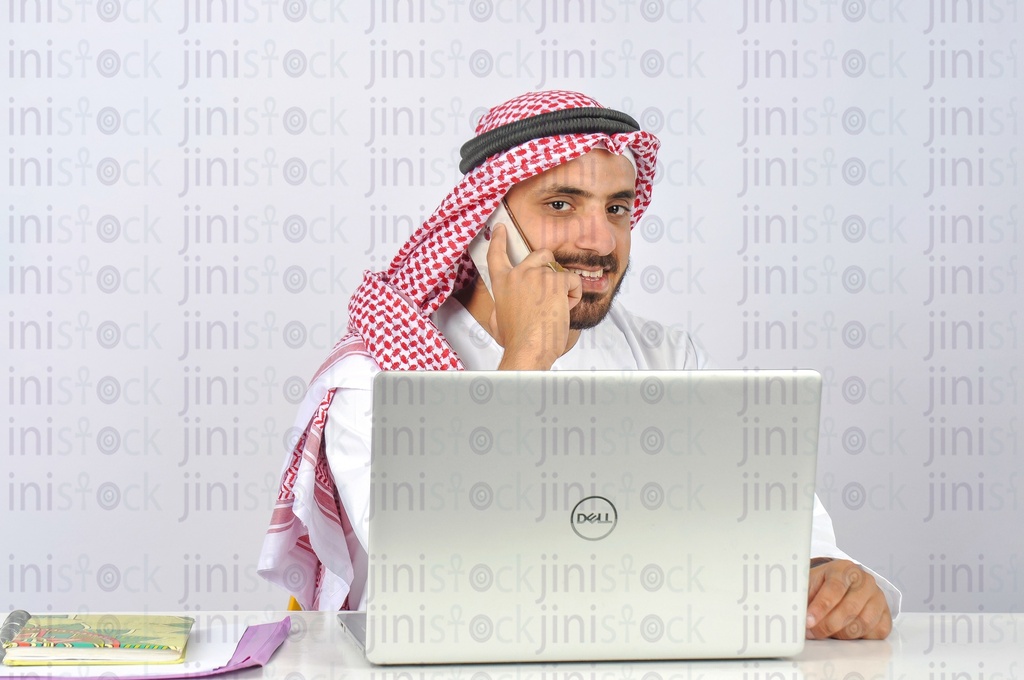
570	190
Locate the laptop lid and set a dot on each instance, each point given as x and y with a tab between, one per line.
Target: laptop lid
560	516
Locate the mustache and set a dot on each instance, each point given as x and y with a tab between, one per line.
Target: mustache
591	260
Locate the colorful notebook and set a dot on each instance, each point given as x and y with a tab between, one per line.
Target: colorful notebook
94	639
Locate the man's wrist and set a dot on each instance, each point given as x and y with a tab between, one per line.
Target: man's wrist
529	357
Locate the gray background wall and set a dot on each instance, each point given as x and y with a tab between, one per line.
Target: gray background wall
840	189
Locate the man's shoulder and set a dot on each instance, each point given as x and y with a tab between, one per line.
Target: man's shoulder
650	332
662	346
354	370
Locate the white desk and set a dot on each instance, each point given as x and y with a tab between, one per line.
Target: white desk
925	646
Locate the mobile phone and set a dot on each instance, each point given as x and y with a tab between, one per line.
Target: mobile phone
516	247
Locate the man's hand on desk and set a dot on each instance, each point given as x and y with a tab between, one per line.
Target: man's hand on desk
844	602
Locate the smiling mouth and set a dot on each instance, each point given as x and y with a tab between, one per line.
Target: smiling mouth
596	271
585	274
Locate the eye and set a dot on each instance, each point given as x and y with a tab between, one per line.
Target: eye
618	210
559	206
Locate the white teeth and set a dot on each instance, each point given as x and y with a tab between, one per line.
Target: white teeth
588	275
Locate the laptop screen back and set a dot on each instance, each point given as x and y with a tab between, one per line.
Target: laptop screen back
551	516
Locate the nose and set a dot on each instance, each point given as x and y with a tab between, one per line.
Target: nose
597	233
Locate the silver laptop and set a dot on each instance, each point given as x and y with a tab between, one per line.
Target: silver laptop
583	516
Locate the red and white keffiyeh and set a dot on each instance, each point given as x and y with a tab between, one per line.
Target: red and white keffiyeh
389	321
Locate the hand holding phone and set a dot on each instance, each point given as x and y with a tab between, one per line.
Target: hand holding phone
516	247
532	323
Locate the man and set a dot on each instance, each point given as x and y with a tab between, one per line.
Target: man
575	178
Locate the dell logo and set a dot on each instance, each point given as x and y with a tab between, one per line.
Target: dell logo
593	518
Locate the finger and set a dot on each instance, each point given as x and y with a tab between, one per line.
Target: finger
874	622
541	257
575	291
497	254
823	593
882	626
553	281
817	577
571	282
845	595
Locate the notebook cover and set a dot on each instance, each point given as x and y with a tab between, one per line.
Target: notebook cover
99	638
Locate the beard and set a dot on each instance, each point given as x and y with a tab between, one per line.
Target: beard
592	307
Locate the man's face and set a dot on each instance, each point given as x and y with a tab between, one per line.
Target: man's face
581	212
